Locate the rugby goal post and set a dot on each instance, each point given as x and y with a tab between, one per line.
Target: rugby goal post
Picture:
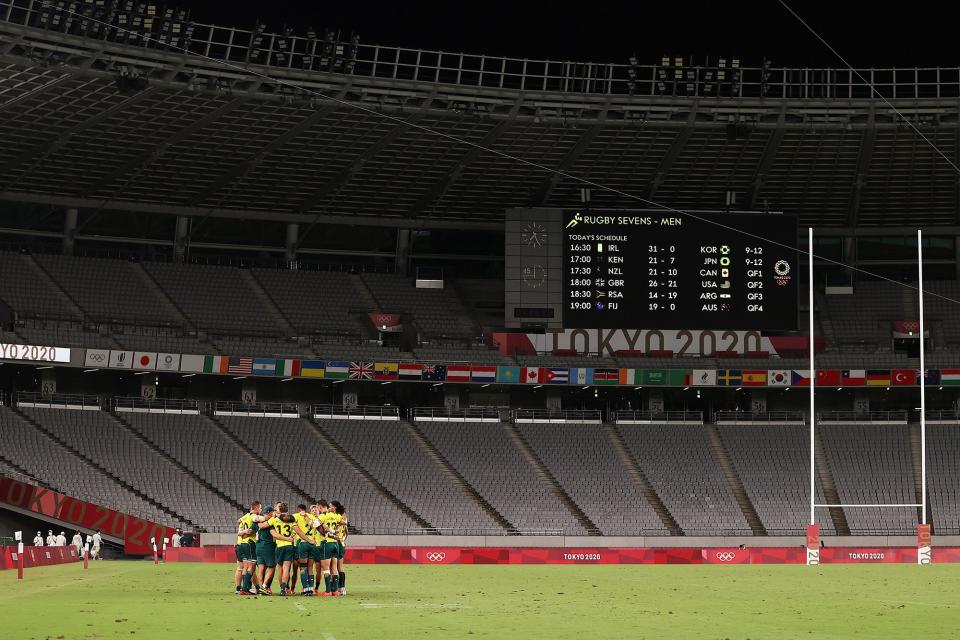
924	540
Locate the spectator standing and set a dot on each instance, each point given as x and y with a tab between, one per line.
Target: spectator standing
78	543
176	539
97	542
51	539
62	539
38	541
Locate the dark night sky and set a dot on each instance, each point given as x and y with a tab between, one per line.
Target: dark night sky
868	35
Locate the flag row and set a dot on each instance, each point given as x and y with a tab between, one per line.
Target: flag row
412	371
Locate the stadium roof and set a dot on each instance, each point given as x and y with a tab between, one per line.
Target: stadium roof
94	123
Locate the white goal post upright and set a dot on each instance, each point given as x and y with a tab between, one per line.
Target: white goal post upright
813	531
924	543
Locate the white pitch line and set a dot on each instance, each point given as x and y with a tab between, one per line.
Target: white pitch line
299	606
328	636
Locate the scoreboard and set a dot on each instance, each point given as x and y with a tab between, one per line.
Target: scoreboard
651	269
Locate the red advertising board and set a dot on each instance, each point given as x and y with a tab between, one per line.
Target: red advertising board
726	555
135	532
38	556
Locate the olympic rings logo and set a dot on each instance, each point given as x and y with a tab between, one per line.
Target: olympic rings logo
436	556
726	556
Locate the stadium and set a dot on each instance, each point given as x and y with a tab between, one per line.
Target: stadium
651	348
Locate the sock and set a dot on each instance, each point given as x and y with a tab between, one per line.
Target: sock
238	588
326	581
343	579
304	581
283	586
247	580
310	581
335	583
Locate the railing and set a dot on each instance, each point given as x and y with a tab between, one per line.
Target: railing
242	47
336	411
457	531
852	417
657	417
159	405
267	409
58	401
559	416
468	414
797	417
942	415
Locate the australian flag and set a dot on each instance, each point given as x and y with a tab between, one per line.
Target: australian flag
434	372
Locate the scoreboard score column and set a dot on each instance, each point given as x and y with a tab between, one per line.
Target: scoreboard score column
645	269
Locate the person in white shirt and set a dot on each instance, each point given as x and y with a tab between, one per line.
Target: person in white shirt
176	538
38	541
95	549
78	543
51	539
62	539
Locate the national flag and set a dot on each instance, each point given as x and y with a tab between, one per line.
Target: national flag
903	377
878	378
215	364
581	375
932	377
242	365
828	377
679	377
754	378
800	377
727	378
337	370
288	368
483	374
703	378
386	371
313	368
144	361
531	375
264	366
458	373
508	374
606	376
190	363
360	371
168	362
653	376
121	359
853	377
557	376
629	376
97	358
950	377
778	377
410	371
435	372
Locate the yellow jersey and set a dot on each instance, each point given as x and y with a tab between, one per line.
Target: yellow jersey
282	528
246	522
335	520
303	520
328	522
342	530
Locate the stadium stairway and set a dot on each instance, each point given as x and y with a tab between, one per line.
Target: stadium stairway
916	451
93	464
334	446
640	477
269	303
150	282
829	487
297	490
240	507
457	477
527	452
722	456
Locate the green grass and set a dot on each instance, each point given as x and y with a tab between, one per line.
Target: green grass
195	602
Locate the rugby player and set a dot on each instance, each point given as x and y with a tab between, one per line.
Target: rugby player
282	533
246	550
342	533
303	527
328	545
266	550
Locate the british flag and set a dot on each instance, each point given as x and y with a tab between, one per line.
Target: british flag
361	371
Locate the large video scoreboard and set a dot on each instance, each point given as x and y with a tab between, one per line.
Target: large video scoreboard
650	269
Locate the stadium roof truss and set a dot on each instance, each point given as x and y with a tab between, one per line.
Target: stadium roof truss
198	138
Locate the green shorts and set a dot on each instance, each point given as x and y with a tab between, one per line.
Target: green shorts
246	552
341	550
304	551
329	550
286	553
316	552
267	554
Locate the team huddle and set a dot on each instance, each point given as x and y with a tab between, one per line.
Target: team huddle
272	541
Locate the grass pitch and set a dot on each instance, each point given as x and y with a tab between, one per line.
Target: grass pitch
132	599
